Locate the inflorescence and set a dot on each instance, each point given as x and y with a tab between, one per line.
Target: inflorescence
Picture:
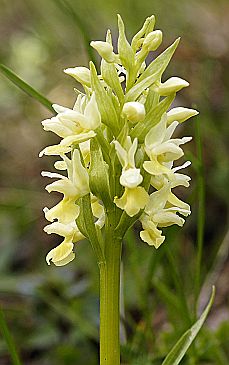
117	149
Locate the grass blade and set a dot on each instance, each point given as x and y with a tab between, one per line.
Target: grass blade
65	7
177	353
25	87
9	340
201	212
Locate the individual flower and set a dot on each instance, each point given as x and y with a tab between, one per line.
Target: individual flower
72	187
160	212
74	125
63	254
134	197
161	148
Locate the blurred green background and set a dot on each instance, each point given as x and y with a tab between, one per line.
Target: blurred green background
52	312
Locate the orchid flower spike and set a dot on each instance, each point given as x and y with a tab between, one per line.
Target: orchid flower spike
117	157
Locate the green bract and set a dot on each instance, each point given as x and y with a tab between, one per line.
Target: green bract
117	147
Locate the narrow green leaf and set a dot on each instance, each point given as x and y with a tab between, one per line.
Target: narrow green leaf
104	144
139	87
152	73
178	351
152	100
106	107
152	118
98	173
26	88
85	222
9	340
161	62
110	76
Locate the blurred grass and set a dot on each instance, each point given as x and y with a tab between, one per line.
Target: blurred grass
53	312
9	340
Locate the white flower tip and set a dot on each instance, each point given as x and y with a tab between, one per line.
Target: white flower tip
41	153
59	108
47	188
68	70
43	173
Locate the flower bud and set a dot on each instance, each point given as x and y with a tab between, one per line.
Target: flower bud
152	40
172	85
104	49
81	74
134	111
180	114
146	28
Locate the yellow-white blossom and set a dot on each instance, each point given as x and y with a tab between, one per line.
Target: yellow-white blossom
135	197
159	212
74	125
63	253
161	148
72	187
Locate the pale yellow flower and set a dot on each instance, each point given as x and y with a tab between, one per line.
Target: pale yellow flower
134	197
63	253
74	125
160	212
72	187
161	148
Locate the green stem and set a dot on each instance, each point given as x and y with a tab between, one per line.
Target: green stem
109	303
